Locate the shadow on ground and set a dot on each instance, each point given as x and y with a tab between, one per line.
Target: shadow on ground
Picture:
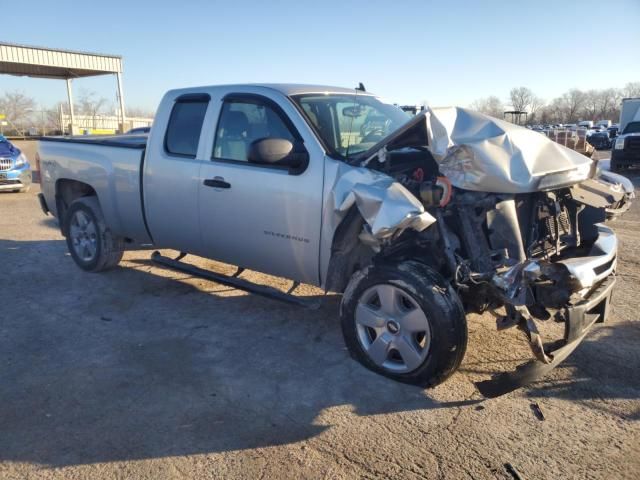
131	365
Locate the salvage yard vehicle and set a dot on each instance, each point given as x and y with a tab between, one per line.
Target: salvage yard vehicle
15	171
600	140
415	221
626	146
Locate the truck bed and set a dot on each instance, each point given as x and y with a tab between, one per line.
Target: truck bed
111	165
127	141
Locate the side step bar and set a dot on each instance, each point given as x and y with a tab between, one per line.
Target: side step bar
233	281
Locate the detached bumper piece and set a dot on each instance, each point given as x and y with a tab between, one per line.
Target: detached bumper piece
579	318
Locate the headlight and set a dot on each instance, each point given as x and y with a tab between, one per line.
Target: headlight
619	143
566	178
21	160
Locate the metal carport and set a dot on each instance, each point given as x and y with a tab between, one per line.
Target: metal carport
43	62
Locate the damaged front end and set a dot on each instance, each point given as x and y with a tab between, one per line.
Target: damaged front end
540	257
513	220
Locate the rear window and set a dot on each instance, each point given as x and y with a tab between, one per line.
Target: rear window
183	131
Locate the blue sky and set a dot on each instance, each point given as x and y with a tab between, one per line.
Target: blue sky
446	52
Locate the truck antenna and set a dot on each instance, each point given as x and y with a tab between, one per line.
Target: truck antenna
361	87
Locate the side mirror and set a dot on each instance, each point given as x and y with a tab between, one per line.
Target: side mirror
279	152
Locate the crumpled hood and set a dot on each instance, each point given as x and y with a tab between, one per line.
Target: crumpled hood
481	153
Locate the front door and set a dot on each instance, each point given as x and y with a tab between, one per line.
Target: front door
258	216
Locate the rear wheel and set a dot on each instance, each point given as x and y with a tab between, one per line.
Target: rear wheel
404	321
91	244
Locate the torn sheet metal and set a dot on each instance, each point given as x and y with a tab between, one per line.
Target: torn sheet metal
600	261
386	206
482	153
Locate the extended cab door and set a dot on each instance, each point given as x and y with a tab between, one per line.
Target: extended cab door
172	173
257	216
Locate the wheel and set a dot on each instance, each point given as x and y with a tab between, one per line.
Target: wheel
92	245
404	321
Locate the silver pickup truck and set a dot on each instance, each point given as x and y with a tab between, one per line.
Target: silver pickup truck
415	220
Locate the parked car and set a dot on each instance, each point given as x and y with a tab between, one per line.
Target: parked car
15	171
626	148
139	131
600	140
452	211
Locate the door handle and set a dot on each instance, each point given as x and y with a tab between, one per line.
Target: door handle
217	182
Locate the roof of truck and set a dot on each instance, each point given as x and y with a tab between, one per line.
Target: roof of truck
298	88
284	88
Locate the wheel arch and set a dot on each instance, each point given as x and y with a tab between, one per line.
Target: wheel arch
66	191
348	253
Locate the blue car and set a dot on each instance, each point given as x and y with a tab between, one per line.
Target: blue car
15	171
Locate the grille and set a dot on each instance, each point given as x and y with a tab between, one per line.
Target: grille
5	164
633	143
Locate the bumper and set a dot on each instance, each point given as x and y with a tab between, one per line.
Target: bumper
594	275
624	158
595	307
16	178
599	263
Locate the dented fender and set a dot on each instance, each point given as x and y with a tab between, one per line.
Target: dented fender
386	206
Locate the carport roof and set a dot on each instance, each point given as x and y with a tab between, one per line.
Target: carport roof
44	62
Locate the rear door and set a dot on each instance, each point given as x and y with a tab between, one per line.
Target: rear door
172	174
263	218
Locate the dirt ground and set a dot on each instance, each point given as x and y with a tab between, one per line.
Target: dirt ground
146	373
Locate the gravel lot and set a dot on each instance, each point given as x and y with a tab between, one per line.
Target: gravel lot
146	373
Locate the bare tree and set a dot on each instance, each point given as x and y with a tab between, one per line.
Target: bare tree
90	104
489	106
608	103
521	98
536	104
631	89
591	104
17	107
140	112
572	102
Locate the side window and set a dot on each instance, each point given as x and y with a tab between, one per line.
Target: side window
183	130
241	123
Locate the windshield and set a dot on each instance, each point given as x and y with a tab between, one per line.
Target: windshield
633	127
350	124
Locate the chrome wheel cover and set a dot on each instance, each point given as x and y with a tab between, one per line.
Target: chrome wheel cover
392	328
84	236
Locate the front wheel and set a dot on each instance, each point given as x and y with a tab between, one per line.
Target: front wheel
91	243
404	321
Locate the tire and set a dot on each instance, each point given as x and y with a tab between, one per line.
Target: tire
382	323
91	243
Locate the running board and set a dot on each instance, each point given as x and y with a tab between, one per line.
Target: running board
234	281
